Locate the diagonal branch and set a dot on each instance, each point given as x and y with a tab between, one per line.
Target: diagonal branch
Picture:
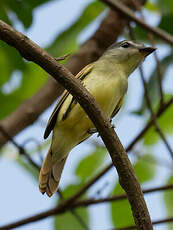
118	6
127	177
157	127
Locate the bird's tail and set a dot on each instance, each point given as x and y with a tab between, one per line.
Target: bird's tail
50	174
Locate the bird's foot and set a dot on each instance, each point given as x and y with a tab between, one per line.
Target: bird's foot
92	130
112	125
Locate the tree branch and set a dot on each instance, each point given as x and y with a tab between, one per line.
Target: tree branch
88	202
77	204
127	178
118	6
158	129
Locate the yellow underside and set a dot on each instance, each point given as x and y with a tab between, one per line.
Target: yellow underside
71	131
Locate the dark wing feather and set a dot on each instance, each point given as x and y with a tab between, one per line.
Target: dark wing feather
52	120
118	107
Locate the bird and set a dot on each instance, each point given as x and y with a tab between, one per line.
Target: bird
107	81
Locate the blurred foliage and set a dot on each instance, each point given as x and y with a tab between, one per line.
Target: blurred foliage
121	210
30	78
166	124
153	85
33	77
11	11
89	166
168	196
66	42
68	219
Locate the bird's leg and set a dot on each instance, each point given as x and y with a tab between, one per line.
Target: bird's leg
112	125
94	130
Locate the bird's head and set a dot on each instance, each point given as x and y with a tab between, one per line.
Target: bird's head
128	54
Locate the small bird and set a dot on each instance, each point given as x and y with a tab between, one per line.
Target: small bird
107	80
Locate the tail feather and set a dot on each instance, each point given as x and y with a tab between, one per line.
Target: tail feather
50	174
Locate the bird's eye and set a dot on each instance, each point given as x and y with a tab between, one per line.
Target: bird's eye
125	45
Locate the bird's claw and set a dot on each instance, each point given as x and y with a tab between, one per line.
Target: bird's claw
92	130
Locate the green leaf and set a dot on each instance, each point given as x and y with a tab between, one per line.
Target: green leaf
152	7
153	86
90	164
4	13
165	23
144	170
10	60
68	220
37	3
168	195
71	190
121	210
23	9
33	78
165	5
166	124
66	42
140	34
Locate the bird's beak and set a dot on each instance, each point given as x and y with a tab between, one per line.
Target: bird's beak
146	50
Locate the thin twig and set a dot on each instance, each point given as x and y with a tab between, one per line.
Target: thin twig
158	68
88	202
158	129
79	219
63	207
161	221
148	101
118	6
20	148
62	57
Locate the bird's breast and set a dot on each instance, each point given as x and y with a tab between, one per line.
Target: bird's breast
106	90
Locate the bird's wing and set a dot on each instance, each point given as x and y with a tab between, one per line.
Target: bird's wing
52	120
118	107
